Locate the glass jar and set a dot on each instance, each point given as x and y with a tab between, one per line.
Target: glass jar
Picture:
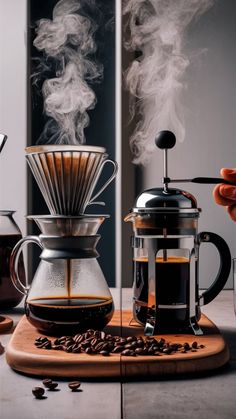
10	234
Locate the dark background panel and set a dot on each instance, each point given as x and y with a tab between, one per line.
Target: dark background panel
101	130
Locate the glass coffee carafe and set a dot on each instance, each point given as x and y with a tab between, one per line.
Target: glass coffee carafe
68	293
9	235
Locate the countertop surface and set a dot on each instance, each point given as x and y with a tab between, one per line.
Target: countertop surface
209	395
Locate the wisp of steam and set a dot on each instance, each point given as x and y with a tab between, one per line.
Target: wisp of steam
67	40
157	31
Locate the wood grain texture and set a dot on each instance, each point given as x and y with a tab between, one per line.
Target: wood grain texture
23	356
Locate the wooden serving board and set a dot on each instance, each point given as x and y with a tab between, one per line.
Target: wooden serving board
23	356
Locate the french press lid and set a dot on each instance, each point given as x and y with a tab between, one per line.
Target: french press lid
164	199
169	201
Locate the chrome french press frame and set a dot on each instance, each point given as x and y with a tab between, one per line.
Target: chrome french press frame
165	216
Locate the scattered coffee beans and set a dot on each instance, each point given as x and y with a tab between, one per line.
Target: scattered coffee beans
38	392
74	385
95	342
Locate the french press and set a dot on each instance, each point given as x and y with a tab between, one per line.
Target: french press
166	256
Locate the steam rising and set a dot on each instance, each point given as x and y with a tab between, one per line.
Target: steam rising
68	41
155	79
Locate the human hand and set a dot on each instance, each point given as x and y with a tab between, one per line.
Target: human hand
226	194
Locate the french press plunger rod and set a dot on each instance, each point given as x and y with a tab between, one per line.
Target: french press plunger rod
166	140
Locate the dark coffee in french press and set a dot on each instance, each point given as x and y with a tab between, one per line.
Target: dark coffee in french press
177	269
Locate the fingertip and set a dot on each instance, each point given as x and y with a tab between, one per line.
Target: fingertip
219	199
232	212
228	174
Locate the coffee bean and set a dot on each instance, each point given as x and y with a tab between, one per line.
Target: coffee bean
74	385
134	344
128	346
140	343
89	351
109	337
49	384
78	338
69	348
167	351
119	344
186	346
76	349
99	346
47	381
52	386
104	353
94	341
139	351
105	347
38	344
194	345
38	392
68	343
117	349
42	339
126	352
44	345
57	347
174	346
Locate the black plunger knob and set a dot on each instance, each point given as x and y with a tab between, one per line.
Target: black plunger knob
165	139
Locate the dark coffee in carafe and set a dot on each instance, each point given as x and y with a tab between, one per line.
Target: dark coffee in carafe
69	315
172	291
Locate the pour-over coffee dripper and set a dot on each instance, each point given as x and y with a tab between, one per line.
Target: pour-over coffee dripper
67	175
69	292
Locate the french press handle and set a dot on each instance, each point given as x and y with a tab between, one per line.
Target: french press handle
224	269
14	259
